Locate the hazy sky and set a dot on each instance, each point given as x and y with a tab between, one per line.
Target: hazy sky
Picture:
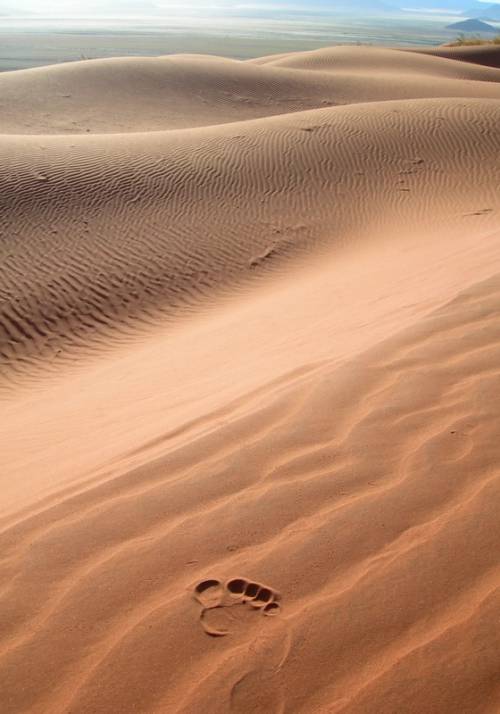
129	7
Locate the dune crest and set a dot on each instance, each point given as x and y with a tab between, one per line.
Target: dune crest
249	354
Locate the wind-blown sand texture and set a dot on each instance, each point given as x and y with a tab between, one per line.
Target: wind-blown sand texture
250	382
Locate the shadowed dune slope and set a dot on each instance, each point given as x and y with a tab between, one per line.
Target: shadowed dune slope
249	378
486	55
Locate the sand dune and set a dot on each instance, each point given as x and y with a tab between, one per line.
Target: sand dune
249	356
486	55
122	228
176	92
377	60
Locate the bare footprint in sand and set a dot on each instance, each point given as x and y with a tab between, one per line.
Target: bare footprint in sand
228	606
256	595
209	593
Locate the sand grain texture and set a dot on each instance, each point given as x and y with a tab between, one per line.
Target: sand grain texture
250	349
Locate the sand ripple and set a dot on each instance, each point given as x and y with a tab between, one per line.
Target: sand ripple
249	369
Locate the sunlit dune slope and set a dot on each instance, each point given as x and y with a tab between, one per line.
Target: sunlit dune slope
365	494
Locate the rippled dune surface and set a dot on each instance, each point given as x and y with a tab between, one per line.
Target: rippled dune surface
249	384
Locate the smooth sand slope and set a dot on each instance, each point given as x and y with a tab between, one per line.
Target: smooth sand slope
250	349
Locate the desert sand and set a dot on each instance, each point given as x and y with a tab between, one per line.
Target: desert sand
250	382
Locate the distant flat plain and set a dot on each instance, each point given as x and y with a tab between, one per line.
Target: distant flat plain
30	43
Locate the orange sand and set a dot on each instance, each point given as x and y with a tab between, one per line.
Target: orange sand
250	359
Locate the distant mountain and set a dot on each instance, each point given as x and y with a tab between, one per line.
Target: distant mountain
472	26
